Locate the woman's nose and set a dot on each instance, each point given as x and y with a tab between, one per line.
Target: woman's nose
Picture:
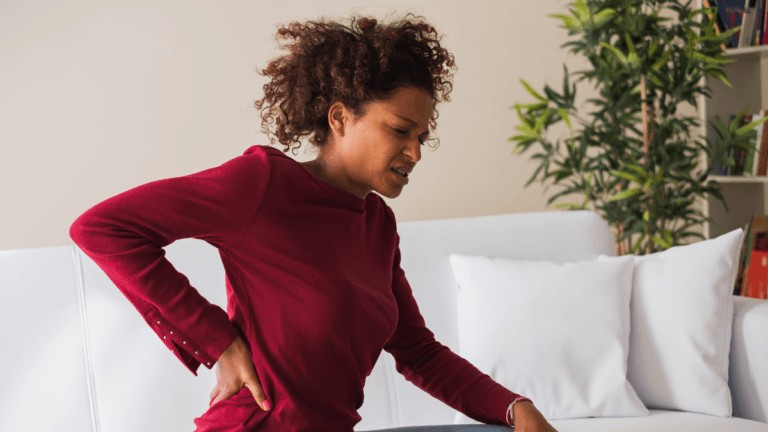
413	150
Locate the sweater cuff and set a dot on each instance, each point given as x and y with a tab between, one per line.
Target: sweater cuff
194	347
509	417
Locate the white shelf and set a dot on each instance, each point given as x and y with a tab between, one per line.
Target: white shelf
739	179
745	195
753	51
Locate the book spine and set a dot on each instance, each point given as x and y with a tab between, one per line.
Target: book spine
757	275
731	12
758	142
758	33
748	24
765	24
749	244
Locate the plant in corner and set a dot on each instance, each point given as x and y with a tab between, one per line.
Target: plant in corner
630	152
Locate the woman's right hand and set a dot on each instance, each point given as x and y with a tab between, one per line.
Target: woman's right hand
235	370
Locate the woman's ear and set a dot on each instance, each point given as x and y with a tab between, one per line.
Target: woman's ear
337	118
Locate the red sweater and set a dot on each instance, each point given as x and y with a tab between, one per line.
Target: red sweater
314	288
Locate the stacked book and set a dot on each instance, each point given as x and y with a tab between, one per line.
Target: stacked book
750	15
752	276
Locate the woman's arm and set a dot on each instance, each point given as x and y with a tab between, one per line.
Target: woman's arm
435	368
125	236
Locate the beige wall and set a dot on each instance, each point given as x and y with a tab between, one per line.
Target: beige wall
99	96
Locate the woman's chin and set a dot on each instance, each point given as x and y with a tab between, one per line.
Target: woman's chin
391	193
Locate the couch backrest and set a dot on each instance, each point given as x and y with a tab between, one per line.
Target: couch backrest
75	350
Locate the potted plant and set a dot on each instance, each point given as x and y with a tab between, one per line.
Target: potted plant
630	152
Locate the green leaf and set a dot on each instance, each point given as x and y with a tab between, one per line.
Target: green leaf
533	92
532	106
709	59
632	57
750	127
627	176
629	193
581	9
664	242
619	55
638	169
662	60
569	206
541	122
602	17
728	33
564	115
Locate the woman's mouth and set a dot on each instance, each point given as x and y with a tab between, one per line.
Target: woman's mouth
401	172
401	175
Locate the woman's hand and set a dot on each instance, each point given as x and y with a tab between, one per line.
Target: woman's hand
235	370
529	419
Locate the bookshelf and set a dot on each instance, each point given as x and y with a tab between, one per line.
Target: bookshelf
745	195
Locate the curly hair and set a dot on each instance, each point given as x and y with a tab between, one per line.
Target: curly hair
328	61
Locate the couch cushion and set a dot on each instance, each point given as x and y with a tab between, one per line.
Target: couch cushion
748	363
556	333
682	312
44	384
134	372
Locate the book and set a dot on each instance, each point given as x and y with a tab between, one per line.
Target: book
755	238
757	274
731	13
757	38
748	23
765	24
758	140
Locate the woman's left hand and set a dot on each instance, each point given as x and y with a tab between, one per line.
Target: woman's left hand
529	419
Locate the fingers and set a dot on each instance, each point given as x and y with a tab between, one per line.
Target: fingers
215	396
258	394
234	371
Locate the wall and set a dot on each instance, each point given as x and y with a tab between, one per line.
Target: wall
99	96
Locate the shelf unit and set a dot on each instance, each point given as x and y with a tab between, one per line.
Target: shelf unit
744	195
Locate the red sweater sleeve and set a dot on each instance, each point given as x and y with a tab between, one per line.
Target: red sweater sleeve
125	235
434	368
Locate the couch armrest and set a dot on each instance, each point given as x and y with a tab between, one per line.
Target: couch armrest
748	374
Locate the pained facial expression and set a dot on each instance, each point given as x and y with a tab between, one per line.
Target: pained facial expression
380	148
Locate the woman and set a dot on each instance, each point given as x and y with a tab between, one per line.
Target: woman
314	286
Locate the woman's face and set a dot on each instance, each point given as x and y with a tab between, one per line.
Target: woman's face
379	149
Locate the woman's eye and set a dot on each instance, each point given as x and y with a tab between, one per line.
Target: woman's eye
400	131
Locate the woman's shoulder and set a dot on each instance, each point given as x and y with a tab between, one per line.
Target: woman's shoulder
262	152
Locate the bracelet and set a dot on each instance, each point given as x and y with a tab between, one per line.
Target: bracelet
510	416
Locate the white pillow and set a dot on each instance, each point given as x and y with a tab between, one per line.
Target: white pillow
682	313
556	333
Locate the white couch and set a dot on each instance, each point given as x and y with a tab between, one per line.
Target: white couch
78	357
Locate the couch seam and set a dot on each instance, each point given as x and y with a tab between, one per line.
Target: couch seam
393	400
81	302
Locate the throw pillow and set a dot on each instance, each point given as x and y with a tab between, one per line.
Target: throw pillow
682	313
556	333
